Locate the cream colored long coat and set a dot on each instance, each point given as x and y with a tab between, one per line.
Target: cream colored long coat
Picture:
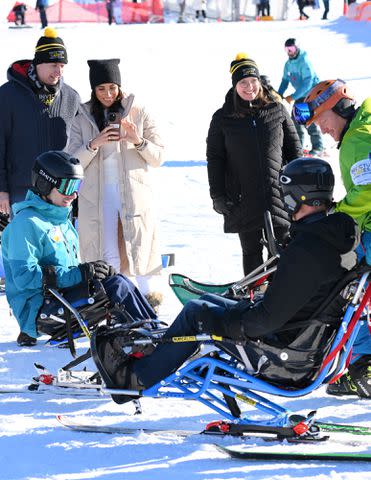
139	254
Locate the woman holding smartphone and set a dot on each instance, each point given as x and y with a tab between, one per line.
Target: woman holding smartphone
117	143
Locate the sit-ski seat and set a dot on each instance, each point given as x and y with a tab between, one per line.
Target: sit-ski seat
298	364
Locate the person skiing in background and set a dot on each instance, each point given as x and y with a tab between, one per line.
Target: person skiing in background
40	249
200	7
37	110
332	107
299	72
19	10
41	5
321	245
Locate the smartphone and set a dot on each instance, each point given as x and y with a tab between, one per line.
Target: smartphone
114	120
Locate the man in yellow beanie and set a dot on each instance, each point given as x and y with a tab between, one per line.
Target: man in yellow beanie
36	115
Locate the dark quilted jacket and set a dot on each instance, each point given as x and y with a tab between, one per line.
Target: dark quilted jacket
28	127
244	157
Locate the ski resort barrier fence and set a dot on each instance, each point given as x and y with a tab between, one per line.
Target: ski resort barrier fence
86	11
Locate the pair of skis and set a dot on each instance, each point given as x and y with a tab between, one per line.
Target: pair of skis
242	451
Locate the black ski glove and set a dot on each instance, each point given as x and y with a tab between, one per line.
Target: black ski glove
98	270
222	205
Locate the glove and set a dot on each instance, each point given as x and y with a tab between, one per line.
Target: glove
222	205
98	270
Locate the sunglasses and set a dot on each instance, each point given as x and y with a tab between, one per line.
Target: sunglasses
303	112
69	186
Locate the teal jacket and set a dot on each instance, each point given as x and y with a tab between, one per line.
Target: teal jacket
39	235
300	73
355	167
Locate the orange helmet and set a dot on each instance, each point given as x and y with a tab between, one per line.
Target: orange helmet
326	95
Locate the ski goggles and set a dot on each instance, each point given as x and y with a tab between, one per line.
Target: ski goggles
69	186
303	112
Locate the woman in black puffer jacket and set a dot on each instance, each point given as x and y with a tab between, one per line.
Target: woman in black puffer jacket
250	139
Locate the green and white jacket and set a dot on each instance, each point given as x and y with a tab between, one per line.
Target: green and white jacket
355	166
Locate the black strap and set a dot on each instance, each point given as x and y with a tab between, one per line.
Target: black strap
49	277
69	333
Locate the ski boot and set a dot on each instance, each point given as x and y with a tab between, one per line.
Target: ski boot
357	381
342	386
25	340
360	372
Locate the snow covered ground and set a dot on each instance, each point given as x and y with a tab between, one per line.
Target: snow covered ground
180	72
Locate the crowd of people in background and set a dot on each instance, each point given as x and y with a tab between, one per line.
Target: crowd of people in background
195	10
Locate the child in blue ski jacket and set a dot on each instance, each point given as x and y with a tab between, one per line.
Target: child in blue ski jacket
40	247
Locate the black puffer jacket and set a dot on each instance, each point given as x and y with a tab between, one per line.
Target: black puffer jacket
244	157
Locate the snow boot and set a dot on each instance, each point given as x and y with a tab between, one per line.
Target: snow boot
113	359
360	371
25	340
342	386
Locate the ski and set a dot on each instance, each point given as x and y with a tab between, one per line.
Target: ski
119	430
243	453
336	427
51	390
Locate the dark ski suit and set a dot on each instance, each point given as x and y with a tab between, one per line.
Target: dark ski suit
320	252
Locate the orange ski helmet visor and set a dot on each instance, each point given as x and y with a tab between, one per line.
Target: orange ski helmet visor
324	96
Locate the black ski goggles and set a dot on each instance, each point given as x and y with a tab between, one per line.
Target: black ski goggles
69	186
303	112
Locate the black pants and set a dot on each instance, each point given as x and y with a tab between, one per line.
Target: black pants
252	248
326	4
110	14
301	5
43	19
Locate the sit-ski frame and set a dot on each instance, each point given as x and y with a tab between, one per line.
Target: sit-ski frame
209	380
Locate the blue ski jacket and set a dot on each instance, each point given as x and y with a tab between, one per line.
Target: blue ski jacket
300	73
39	235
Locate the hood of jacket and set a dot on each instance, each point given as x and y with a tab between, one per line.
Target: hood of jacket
338	229
54	214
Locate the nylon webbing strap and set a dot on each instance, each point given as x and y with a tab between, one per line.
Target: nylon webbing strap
356	316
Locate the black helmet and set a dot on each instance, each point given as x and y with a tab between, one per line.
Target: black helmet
306	180
56	169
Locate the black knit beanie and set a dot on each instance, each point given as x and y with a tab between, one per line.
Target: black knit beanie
104	71
291	42
243	67
50	48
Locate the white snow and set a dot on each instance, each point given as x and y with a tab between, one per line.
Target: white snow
180	72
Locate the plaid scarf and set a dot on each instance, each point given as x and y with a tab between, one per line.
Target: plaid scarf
45	93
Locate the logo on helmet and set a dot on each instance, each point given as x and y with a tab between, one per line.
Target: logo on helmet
47	177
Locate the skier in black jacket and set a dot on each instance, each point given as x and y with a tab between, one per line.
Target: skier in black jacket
250	138
320	252
37	109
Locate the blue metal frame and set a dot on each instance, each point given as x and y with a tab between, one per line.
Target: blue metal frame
207	379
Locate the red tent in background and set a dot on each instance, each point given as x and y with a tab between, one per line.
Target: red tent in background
69	11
